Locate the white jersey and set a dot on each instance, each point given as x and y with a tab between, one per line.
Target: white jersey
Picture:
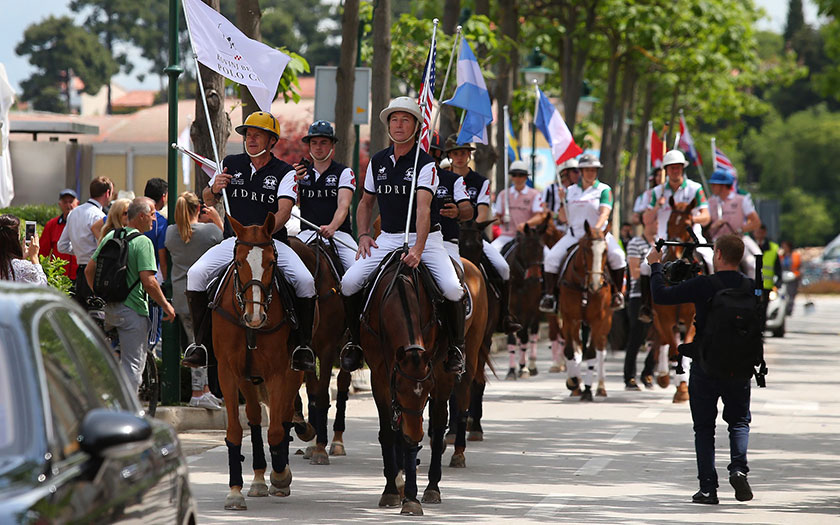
688	191
584	205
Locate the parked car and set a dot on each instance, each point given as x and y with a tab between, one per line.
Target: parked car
778	305
75	444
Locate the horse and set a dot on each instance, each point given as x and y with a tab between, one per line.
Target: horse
670	320
326	342
550	237
400	336
250	336
525	259
585	302
449	392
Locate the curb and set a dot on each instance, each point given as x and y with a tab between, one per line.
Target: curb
193	418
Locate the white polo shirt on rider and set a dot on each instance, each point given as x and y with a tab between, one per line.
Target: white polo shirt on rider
584	205
688	191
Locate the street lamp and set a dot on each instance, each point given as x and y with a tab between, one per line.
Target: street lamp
535	74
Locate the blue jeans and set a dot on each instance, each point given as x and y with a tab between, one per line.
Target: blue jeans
704	392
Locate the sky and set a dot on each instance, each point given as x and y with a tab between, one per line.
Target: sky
17	15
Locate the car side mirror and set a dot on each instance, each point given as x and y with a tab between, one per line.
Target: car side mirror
109	433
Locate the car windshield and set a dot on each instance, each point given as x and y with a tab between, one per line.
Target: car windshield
832	253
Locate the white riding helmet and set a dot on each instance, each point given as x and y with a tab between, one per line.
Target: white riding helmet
406	104
568	165
518	166
589	161
674	156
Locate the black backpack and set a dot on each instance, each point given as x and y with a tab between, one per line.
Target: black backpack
733	339
111	279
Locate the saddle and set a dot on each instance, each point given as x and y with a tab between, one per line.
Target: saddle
508	247
491	276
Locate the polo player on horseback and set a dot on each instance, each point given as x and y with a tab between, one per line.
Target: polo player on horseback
590	200
731	211
517	206
258	183
388	182
478	191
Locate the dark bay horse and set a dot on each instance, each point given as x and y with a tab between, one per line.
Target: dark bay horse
525	260
326	341
550	237
399	336
585	300
250	335
670	321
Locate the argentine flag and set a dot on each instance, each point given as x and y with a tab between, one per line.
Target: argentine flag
471	95
555	130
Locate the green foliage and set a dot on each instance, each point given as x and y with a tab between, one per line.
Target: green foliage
56	46
40	213
55	270
806	218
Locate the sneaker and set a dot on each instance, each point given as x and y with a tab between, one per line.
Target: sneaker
647	380
631	385
739	482
213	398
645	315
708	498
204	402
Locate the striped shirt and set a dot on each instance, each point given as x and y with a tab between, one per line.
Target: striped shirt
638	247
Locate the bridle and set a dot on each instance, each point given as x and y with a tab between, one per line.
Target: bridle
239	288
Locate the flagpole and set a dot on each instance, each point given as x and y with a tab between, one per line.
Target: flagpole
649	146
417	145
318	228
446	79
534	134
714	155
506	124
206	109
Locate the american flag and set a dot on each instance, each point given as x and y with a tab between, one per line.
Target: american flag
721	160
427	95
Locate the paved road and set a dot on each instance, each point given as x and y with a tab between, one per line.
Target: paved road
625	459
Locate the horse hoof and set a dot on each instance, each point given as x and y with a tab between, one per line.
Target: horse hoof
257	490
475	435
319	457
280	493
458	460
308	452
337	449
663	381
575	393
283	479
389	500
300	452
573	383
235	501
411	508
556	368
449	439
305	431
533	371
431	496
681	395
511	375
601	392
523	372
586	395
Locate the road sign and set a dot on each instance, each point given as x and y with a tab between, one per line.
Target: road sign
325	94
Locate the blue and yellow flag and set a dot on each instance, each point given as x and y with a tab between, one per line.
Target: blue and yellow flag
513	145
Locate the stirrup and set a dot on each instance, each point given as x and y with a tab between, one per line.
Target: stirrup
548	304
617	302
303	359
455	361
351	357
195	356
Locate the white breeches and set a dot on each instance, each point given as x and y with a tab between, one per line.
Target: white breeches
220	256
500	241
751	249
454	253
496	259
434	257
347	255
557	254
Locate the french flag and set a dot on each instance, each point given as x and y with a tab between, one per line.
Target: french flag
555	130
721	160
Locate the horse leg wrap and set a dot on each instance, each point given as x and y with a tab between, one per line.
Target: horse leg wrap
389	456
532	343
235	459
602	358
523	354
555	350
453	413
476	404
512	355
280	452
340	409
461	430
410	462
686	363
590	371
662	365
259	449
318	419
572	368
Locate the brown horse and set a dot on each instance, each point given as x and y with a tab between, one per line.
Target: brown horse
549	238
525	260
672	320
400	340
326	341
250	334
585	302
446	386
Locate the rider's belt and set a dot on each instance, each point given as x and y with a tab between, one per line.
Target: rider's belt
435	228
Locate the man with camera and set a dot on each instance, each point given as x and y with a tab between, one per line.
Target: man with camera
706	383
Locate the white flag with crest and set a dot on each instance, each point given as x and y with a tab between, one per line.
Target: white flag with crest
222	47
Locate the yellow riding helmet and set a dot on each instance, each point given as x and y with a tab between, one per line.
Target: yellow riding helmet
261	120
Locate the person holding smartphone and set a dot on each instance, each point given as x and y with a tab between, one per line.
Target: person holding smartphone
19	262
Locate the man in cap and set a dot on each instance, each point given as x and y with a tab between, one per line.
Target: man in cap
388	182
517	206
258	183
733	212
325	192
67	201
451	205
567	174
478	190
589	201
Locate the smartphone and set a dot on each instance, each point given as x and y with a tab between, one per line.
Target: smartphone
305	162
30	230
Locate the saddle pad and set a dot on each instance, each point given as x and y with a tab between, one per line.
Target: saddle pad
569	256
468	302
216	285
376	275
507	248
487	268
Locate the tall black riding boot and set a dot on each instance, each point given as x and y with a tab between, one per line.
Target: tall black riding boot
303	358
352	354
548	303
507	322
617	277
196	354
645	313
456	318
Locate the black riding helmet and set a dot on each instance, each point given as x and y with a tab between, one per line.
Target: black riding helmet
320	128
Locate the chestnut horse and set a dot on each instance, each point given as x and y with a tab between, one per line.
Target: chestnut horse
585	301
549	238
250	335
670	321
447	386
399	336
525	260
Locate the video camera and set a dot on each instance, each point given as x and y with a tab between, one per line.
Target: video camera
685	267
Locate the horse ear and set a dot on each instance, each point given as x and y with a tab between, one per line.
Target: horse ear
268	225
236	225
586	227
526	229
671	202
483	224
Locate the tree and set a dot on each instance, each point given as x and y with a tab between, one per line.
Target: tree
795	20
381	71
59	49
345	80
